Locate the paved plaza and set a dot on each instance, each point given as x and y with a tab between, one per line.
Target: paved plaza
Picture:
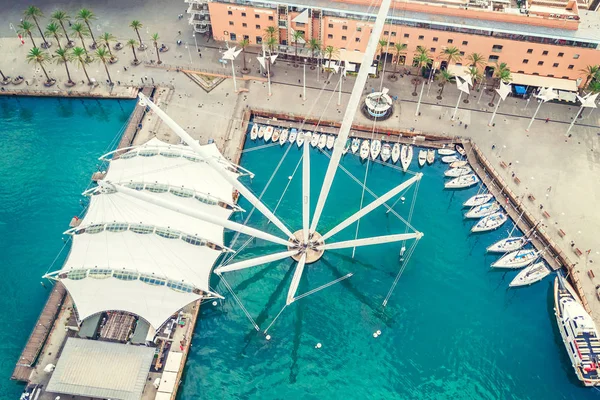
560	172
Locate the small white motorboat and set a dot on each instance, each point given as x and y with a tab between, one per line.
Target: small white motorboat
330	141
478	200
422	157
449	159
517	259
314	140
261	131
355	145
276	134
268	133
532	274
307	138
461	150
456	172
375	149
508	244
322	141
459	164
395	153
386	152
300	138
293	134
446	152
490	222
406	155
364	150
283	137
254	132
430	156
462	182
346	147
483	210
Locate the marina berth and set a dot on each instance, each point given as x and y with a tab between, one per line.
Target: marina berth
364	150
459	164
517	259
375	149
276	134
462	182
314	140
532	274
293	134
449	159
268	133
430	156
322	141
446	152
261	131
330	141
490	222
478	200
395	153
578	332
422	157
386	152
355	145
456	172
508	244
406	155
483	210
283	137
254	132
300	138
460	150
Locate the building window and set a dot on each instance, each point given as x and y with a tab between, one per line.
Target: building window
406	35
462	53
464	43
330	36
392	44
520	72
243	14
545	52
565	77
421	37
229	12
344	27
230	23
258	39
450	41
244	25
575	56
330	26
432	49
571	66
555	65
386	33
561	54
344	38
246	37
232	37
497	48
357	40
435	39
493	58
535	73
393	33
300	24
550	76
358	29
525	61
256	16
540	63
257	26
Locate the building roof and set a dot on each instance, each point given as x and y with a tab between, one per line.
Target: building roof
101	369
131	255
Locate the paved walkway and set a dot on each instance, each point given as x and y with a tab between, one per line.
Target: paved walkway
560	172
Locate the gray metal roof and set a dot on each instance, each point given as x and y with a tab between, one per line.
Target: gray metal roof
101	369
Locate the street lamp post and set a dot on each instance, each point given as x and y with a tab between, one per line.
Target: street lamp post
503	91
544	95
587	101
462	83
420	97
304	81
231	54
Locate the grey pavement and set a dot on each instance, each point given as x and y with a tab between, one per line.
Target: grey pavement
541	158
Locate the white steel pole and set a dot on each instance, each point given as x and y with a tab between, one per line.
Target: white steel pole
340	92
268	69
369	241
233	74
306	190
574	119
481	92
253	262
534	114
420	97
494	113
304	83
295	280
456	108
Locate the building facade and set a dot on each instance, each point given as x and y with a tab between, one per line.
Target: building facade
549	38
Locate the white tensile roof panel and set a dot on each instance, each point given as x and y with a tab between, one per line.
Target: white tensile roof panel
155	304
173	361
167	382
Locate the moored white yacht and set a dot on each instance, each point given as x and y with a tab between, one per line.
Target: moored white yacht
458	164
483	210
283	137
446	152
395	153
254	132
307	137
314	140
355	145
330	141
430	156
406	155
293	134
261	131
386	152
578	331
490	222
422	157
449	159
375	149
532	274
517	259
456	172
300	138
364	150
462	182
268	133
478	200
508	244
322	141
276	134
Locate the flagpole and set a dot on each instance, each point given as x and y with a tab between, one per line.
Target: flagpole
457	103
420	96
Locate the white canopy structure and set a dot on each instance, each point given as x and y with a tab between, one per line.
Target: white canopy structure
132	255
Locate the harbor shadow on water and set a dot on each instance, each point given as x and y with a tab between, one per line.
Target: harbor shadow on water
451	329
49	150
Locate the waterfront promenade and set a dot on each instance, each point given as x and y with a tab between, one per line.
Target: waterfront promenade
560	173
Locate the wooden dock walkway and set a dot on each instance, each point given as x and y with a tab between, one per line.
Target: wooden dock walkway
135	120
40	333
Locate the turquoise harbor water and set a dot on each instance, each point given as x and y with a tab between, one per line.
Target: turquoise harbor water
48	150
451	328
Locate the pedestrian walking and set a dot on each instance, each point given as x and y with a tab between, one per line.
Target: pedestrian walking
549	189
572	243
493	146
588	251
466	126
547	120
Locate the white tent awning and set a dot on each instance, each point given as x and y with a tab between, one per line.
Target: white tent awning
543	81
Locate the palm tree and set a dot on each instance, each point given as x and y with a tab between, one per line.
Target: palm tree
243	44
594	87
80	54
271	43
136	26
86	16
103	56
63	56
54	30
475	77
270	31
40	57
61	17
33	12
400	48
80	31
25	28
589	72
501	74
296	37
106	38
476	60
422	60
444	77
452	54
382	45
155	40
330	51
133	43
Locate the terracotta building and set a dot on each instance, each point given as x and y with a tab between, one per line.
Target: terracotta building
549	38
